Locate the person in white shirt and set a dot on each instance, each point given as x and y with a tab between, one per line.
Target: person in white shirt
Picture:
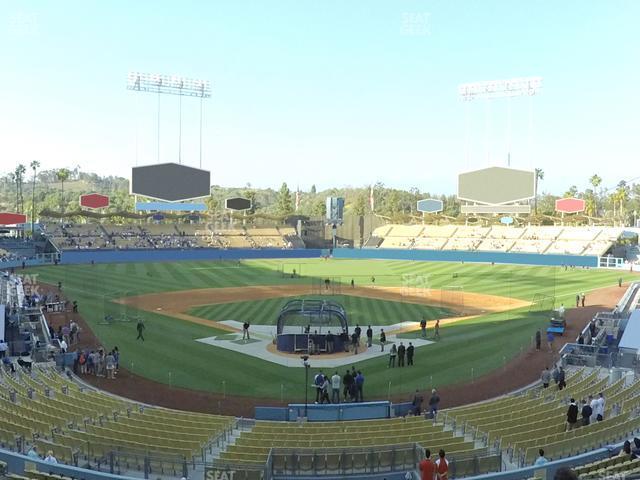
50	458
601	404
593	403
335	388
63	346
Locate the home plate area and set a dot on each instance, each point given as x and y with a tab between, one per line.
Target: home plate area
261	345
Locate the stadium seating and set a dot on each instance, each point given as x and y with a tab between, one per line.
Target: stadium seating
158	236
522	424
539	240
84	426
254	446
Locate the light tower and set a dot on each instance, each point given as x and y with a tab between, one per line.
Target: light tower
494	89
171	85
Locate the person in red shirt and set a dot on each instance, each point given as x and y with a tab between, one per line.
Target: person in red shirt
427	467
442	466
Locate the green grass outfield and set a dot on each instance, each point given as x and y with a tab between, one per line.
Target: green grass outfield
170	354
361	311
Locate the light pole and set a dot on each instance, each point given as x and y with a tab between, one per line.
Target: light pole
489	90
171	85
307	366
34	166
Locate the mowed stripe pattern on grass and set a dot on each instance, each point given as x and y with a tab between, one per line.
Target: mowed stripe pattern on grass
483	344
360	310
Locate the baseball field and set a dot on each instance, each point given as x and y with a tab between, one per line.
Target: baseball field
490	314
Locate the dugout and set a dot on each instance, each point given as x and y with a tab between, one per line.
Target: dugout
303	326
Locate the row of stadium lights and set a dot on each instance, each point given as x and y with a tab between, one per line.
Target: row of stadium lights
136	80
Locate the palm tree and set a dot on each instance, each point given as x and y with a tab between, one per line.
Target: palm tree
62	175
18	176
35	164
539	177
595	182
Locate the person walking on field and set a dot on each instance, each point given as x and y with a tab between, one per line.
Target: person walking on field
245	331
392	356
140	327
423	327
582	299
577	300
538	339
436	330
383	339
369	336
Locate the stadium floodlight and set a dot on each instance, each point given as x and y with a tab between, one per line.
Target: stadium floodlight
171	85
514	87
168	84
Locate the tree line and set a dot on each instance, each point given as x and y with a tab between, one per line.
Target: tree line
27	189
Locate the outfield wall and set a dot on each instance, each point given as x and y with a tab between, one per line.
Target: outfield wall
176	254
171	255
466	256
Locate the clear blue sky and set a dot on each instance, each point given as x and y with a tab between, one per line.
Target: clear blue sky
331	92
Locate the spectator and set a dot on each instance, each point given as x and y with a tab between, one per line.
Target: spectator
318	380
325	390
434	402
545	378
410	351
354	342
600	407
635	452
74	332
392	356
50	458
347	381
572	415
63	346
369	336
550	338
358	332
417	403
562	383
111	365
33	453
427	467
565	474
359	387
541	460
3	348
442	466
581	339
626	449
401	352
538	339
335	388
82	361
423	327
586	413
